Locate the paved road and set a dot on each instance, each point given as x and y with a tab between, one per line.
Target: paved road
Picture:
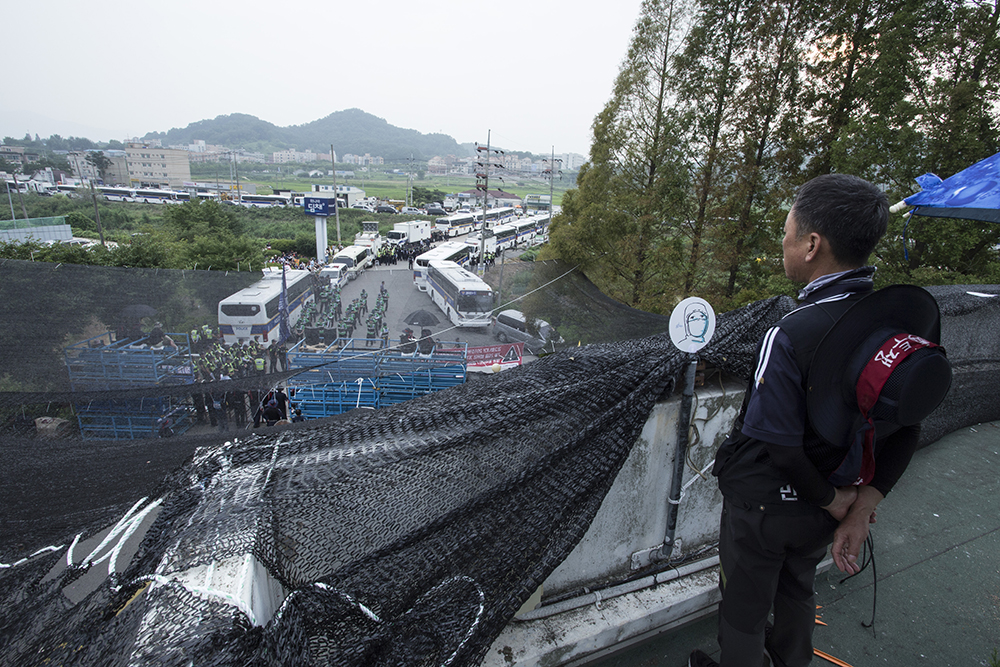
404	299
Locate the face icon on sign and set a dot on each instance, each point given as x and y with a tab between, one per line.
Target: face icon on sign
695	322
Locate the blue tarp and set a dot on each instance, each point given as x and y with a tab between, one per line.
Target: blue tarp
971	194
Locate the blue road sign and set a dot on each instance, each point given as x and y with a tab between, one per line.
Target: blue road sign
316	206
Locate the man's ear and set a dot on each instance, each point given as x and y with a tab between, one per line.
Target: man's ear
816	242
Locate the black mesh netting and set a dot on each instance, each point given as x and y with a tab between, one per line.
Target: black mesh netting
409	535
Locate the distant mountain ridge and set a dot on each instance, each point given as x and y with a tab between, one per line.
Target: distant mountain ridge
349	131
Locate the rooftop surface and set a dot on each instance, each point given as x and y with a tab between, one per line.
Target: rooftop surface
935	582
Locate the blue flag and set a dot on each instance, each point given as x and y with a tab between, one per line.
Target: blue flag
284	332
971	194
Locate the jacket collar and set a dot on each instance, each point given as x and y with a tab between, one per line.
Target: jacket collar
853	280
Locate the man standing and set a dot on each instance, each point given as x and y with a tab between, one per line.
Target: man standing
789	486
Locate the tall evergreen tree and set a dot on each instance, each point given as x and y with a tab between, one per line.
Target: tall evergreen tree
622	222
765	109
710	71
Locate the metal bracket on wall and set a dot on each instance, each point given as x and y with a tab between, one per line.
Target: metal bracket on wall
644	557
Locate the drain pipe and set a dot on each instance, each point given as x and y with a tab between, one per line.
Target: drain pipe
683	434
598	596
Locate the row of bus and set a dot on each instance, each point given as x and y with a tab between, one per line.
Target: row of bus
465	222
462	296
154	196
254	312
158	196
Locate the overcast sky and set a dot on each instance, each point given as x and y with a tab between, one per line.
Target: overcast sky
534	72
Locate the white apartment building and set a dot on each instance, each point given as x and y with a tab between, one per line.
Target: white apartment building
573	161
115	174
151	166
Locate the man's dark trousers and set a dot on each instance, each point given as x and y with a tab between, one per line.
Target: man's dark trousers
767	556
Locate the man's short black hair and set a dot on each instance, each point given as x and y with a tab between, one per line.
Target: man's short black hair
851	213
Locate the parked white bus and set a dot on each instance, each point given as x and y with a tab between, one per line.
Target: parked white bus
152	196
464	298
477	242
252	313
117	194
525	230
71	191
355	259
495	216
505	235
452	251
263	201
456	224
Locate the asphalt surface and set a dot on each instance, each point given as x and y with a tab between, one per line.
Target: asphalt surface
405	299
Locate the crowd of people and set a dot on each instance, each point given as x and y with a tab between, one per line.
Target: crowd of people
388	254
214	361
327	318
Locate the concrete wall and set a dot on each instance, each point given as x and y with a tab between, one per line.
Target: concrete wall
633	518
629	526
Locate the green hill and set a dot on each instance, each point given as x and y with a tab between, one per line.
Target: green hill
350	131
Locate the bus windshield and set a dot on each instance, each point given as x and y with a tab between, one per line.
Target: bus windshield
240	309
473	301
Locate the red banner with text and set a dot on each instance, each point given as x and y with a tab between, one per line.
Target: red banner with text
494	358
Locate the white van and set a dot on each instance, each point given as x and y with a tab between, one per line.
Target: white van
355	259
335	273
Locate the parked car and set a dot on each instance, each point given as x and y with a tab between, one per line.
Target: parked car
510	326
385	208
411	210
436	210
363	207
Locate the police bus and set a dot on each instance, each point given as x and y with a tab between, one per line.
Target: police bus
506	236
452	251
525	230
117	194
495	216
252	313
464	298
263	201
154	196
456	224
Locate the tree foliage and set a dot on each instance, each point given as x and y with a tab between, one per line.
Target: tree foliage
99	161
698	153
624	222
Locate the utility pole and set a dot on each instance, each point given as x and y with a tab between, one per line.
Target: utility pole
552	180
552	176
10	201
17	187
500	282
97	214
409	183
236	166
484	185
336	207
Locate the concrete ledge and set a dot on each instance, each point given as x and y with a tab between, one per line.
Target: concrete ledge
590	632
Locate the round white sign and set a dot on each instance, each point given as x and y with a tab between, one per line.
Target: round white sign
692	324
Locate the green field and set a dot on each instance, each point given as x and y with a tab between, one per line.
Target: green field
379	184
